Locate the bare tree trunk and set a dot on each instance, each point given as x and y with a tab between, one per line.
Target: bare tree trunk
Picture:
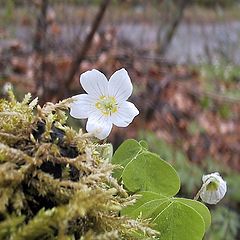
81	53
163	43
39	46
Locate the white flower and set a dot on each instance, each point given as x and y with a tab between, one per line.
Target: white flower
214	188
105	102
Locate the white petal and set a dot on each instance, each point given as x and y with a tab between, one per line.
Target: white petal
100	127
95	83
211	175
222	189
82	106
120	85
206	196
210	197
125	114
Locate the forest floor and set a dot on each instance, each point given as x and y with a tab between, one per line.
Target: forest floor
188	98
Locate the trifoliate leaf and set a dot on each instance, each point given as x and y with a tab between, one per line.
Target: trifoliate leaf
178	221
145	206
174	218
127	151
148	172
200	208
144	144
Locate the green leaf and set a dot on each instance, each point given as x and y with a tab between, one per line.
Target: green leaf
174	218
127	151
200	208
178	221
144	144
145	206
148	172
149	203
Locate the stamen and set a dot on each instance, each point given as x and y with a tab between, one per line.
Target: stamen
107	105
213	186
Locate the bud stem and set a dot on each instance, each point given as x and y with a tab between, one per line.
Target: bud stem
201	189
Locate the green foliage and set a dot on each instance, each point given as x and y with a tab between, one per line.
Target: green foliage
156	183
233	180
143	171
206	102
55	183
220	79
200	208
190	175
128	150
9	10
151	205
148	172
179	221
225	111
225	225
222	72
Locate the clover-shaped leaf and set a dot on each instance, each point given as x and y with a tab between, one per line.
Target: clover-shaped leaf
178	221
146	205
126	152
174	218
148	172
157	182
143	170
200	208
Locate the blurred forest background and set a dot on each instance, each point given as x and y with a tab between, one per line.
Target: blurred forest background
183	57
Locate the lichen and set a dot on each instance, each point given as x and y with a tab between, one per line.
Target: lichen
55	182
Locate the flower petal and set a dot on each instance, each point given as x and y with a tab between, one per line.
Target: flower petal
95	83
82	106
100	127
215	175
125	114
120	85
210	197
222	188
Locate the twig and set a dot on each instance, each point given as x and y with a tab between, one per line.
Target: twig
164	43
39	45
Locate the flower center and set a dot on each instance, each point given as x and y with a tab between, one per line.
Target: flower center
107	105
212	186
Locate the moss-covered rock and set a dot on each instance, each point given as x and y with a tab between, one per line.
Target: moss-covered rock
56	183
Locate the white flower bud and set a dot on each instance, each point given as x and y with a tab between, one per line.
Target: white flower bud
214	188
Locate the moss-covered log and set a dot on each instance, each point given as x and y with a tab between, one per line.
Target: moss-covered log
56	183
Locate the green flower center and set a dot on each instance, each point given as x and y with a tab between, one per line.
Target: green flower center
107	105
213	186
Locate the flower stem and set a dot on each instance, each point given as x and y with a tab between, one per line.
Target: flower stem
201	189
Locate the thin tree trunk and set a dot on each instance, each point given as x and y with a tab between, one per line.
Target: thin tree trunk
81	53
163	43
39	46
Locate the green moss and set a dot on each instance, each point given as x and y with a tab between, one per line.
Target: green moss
55	183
